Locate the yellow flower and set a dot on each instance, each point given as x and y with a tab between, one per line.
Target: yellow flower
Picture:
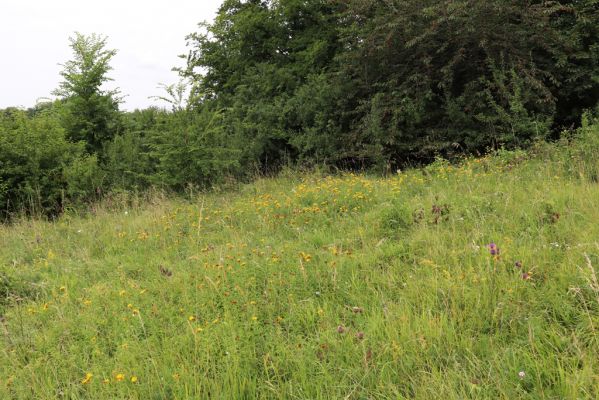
133	379
87	379
254	318
305	256
191	318
119	377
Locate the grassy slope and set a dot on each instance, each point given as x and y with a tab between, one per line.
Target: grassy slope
265	278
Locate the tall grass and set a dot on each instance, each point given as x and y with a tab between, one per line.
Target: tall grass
318	287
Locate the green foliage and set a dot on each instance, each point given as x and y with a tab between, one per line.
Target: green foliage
34	153
191	149
84	179
252	60
582	156
352	84
128	162
455	76
360	83
90	113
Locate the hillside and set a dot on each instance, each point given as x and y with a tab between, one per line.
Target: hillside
469	281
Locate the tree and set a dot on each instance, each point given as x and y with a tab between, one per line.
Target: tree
446	76
91	114
253	61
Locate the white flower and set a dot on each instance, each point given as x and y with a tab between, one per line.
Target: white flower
521	374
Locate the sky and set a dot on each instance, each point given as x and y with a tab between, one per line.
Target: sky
148	35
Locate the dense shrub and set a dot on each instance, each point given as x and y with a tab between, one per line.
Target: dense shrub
191	149
583	154
34	155
364	82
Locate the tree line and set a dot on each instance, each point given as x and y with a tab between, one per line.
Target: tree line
340	83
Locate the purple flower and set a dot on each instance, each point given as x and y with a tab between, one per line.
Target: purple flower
518	264
493	249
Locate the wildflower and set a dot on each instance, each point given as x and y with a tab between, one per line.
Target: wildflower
119	377
360	335
493	249
134	379
254	318
87	379
305	256
518	264
526	276
521	374
191	318
340	329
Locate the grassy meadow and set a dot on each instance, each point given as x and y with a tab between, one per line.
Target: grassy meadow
477	280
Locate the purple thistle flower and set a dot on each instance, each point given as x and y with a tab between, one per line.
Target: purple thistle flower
493	249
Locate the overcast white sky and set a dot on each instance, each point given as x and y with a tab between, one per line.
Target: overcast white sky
148	34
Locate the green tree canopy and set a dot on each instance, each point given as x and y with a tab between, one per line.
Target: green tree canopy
358	82
91	112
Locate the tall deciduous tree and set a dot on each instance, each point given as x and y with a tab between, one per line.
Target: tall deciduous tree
362	82
91	112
